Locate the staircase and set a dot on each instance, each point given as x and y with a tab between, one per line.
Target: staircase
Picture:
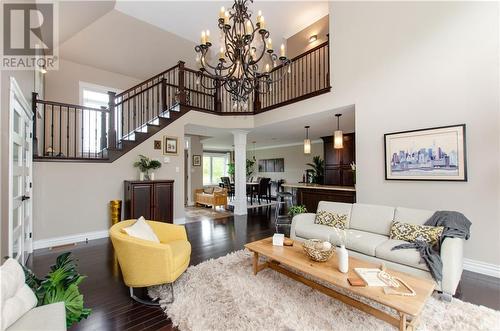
73	133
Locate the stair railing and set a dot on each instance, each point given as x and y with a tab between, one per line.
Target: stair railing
63	130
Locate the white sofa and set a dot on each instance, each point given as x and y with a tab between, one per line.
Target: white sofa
18	311
368	238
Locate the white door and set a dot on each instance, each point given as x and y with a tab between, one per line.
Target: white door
20	172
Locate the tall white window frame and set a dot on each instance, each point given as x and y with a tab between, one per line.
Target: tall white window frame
93	96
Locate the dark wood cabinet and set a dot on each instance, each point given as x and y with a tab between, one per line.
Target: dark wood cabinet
152	199
338	161
310	197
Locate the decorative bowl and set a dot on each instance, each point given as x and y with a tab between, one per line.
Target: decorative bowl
316	251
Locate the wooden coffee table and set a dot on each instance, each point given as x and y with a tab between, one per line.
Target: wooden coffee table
408	308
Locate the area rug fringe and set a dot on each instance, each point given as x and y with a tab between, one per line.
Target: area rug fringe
224	294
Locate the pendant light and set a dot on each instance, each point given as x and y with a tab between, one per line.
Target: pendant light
338	136
307	141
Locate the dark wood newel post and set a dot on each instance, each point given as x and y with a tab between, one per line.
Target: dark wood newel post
111	124
217	97
104	139
182	91
34	97
256	99
163	100
328	61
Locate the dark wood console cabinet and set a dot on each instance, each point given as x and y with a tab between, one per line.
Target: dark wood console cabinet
152	199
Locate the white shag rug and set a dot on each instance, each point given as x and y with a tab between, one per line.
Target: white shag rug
224	294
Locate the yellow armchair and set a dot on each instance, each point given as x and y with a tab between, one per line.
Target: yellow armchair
145	263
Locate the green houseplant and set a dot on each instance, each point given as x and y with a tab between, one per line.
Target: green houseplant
317	170
250	164
297	209
231	170
145	164
60	284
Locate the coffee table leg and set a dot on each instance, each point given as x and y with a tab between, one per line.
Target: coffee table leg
402	322
255	263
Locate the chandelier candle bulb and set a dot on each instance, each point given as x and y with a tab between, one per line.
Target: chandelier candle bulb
203	38
248	28
226	17
268	68
222	13
282	50
221	53
207	37
269	43
262	23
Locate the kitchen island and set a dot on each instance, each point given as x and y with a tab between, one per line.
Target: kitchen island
310	194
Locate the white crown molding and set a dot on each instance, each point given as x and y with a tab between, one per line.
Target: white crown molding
480	267
71	239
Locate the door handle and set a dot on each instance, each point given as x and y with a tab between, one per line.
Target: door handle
25	197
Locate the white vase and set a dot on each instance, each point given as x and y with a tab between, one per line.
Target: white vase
152	176
343	259
141	176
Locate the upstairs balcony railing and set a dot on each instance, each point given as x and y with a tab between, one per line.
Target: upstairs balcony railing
66	131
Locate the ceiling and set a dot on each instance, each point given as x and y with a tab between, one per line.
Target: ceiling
142	38
188	18
283	133
123	44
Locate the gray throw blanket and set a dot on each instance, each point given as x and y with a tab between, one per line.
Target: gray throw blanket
455	224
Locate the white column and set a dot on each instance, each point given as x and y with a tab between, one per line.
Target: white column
240	176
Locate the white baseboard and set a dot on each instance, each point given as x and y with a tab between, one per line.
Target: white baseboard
71	239
482	267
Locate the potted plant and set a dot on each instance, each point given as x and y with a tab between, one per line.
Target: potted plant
318	170
249	169
297	209
231	170
60	284
145	164
353	168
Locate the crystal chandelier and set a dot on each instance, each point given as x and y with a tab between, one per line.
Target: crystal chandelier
246	57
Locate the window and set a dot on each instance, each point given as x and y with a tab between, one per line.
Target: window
91	122
214	167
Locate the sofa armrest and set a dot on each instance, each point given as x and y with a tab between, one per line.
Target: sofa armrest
47	317
167	232
198	190
452	257
306	218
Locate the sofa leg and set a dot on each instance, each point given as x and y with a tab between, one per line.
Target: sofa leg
445	296
144	302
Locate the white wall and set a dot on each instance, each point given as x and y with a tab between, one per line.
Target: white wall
295	160
63	85
412	65
72	198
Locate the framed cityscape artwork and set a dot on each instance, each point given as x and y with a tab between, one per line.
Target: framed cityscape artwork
426	154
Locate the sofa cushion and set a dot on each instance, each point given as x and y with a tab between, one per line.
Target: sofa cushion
329	218
339	208
409	256
16	298
313	231
360	241
414	232
208	190
412	216
372	218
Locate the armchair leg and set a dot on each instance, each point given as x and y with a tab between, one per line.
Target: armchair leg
150	302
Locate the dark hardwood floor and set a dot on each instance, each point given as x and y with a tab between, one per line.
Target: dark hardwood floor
108	297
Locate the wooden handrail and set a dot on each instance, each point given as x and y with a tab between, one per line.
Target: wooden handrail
68	105
147	81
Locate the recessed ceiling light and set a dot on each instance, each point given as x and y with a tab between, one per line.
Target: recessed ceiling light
313	38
